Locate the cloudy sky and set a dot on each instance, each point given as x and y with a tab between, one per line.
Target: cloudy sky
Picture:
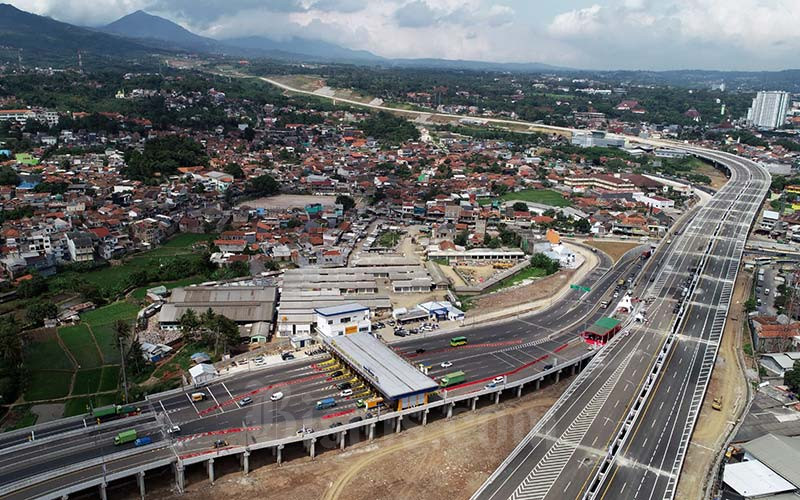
591	34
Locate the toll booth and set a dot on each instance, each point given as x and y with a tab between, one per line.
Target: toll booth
601	331
400	384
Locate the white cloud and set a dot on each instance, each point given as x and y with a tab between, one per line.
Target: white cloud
577	22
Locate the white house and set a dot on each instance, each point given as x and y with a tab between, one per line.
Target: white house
343	319
203	373
654	201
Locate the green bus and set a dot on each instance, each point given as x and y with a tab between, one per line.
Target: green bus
452	379
457	341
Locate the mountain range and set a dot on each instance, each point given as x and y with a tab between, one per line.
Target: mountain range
141	33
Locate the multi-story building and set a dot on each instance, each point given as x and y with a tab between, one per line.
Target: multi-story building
80	246
769	109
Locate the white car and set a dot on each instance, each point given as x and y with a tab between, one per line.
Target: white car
276	396
346	392
446	364
498	380
259	360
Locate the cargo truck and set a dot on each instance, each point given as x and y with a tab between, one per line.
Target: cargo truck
113	411
325	403
369	403
142	441
125	437
452	379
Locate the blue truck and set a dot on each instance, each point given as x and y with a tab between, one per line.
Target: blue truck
326	403
143	441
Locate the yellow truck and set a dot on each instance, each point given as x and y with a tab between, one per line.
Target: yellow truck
717	404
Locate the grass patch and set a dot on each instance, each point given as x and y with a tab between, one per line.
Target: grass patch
20	417
543	196
81	344
389	239
47	384
109	380
106	338
141	293
110	313
78	406
181	361
87	381
47	354
527	273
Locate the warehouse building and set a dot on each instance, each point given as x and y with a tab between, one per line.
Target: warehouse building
242	304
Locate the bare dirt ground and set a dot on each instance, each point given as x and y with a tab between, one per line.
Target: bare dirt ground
615	249
48	412
728	382
477	274
443	460
540	289
448	271
284	201
718	179
303	82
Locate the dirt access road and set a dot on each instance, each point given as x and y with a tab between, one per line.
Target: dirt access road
445	459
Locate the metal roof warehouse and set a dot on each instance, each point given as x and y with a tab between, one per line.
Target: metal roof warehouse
384	369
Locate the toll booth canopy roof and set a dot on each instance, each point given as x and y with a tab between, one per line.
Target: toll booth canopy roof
603	325
393	376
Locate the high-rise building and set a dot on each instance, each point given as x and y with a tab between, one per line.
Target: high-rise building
769	109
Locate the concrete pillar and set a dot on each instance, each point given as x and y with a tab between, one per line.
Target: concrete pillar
450	410
211	470
574	369
312	448
140	479
342	440
64	497
519	390
538	383
179	477
425	416
474	403
278	452
558	376
103	495
246	462
371	431
399	426
497	396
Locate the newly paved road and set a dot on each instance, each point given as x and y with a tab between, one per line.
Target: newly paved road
492	350
560	457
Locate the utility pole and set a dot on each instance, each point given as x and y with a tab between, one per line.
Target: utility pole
124	372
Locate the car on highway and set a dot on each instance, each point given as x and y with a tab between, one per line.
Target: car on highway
245	401
490	385
355	419
334	425
304	430
548	366
287	356
344	385
174	430
198	396
337	373
220	443
446	364
499	379
420	350
345	393
276	396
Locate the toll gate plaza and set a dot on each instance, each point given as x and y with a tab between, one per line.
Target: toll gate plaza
401	384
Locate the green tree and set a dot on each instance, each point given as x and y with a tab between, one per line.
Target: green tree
792	377
520	207
235	170
542	261
347	202
189	323
32	287
263	185
39	311
750	304
12	343
583	226
8	176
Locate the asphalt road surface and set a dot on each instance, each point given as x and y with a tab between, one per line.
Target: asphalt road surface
560	456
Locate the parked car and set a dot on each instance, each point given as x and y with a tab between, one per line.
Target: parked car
286	356
337	373
344	385
276	396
